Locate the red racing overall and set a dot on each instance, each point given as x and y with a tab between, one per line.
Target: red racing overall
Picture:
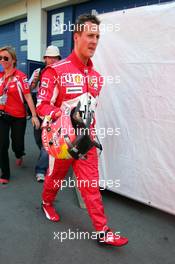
64	84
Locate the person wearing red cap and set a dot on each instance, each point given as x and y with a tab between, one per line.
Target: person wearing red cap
63	85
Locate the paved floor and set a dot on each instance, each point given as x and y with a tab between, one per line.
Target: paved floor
26	237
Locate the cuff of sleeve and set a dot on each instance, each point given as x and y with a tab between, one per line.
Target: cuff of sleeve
55	114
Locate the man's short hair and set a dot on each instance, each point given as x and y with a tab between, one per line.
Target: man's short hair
82	19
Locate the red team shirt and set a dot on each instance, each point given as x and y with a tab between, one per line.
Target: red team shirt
16	85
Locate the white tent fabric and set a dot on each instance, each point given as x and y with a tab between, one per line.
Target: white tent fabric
140	100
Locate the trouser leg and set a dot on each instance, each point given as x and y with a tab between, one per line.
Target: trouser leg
4	146
55	174
42	162
87	175
37	136
18	127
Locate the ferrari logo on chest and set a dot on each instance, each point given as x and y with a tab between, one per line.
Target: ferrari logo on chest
93	82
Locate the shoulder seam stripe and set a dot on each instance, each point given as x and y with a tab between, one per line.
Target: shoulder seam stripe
59	64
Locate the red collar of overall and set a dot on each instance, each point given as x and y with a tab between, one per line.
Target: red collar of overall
79	64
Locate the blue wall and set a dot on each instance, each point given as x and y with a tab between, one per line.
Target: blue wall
66	36
10	36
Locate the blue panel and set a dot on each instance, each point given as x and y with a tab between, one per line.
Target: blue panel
67	35
10	36
1	68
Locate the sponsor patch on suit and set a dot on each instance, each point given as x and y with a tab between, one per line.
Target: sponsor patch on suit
45	82
74	90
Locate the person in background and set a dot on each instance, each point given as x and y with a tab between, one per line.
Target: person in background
71	83
51	56
14	90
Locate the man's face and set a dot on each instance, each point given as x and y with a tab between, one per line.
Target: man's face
50	60
87	40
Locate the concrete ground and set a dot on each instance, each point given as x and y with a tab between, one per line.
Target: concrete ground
26	237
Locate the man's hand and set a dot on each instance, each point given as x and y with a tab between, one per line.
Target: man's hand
35	122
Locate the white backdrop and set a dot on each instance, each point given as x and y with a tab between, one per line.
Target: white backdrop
141	55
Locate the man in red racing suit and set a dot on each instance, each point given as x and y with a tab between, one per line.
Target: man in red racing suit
63	85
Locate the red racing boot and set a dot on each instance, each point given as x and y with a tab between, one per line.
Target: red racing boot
50	212
4	181
109	238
